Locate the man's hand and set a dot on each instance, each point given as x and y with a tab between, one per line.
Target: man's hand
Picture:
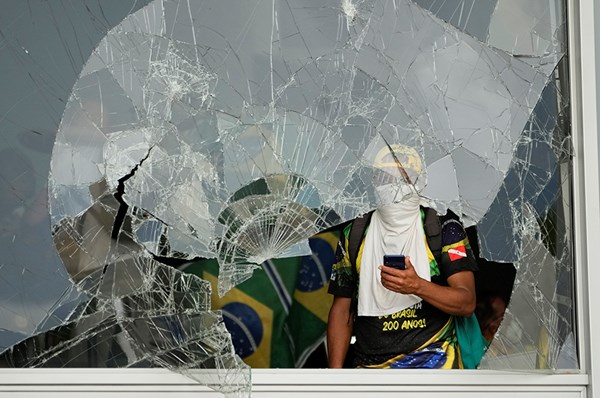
401	281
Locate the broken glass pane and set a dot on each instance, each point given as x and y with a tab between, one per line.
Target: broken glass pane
235	131
179	124
143	314
531	29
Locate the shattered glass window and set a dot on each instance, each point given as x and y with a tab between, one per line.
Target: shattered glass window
175	172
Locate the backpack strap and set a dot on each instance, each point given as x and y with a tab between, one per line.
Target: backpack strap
355	238
357	232
433	231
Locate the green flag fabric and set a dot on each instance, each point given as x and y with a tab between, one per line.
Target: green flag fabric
278	316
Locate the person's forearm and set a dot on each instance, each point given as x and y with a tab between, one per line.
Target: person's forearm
456	300
339	332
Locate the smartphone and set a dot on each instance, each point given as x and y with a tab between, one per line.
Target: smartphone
394	261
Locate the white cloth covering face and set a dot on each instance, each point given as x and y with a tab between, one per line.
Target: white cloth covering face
395	228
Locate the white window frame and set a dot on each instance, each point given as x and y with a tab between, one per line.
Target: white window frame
584	65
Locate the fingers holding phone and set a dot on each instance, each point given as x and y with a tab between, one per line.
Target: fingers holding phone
405	282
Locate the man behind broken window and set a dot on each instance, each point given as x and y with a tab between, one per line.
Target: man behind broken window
401	318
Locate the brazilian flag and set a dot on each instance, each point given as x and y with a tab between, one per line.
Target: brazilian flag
307	320
278	316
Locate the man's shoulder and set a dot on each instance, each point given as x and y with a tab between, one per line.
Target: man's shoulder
361	221
452	228
449	220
